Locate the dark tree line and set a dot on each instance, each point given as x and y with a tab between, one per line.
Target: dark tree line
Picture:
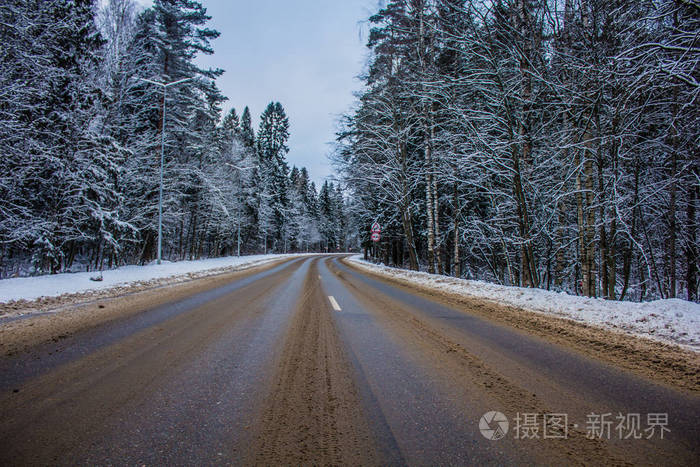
80	136
541	143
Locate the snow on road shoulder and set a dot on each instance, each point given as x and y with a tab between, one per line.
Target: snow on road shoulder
672	321
31	288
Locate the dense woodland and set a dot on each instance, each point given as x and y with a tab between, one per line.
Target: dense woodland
541	143
80	145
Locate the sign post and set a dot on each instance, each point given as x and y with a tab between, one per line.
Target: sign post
376	232
376	235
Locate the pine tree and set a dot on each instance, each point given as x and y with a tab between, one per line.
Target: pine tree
272	149
231	125
247	132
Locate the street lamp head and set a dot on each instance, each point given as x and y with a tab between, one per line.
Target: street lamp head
164	85
178	82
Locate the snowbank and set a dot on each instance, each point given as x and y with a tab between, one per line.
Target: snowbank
672	321
31	288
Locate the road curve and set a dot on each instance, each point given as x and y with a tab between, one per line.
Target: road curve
311	361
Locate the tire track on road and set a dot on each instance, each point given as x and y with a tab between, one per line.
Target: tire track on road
563	379
462	368
55	418
313	414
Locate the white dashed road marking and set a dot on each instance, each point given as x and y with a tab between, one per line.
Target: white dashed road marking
334	304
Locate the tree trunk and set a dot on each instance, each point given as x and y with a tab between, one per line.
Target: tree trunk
603	240
408	232
627	262
436	221
691	252
612	267
560	261
654	269
610	262
672	227
580	220
527	264
584	192
193	235
405	212
590	283
148	247
456	259
428	133
429	208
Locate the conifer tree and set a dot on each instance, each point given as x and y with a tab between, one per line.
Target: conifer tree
272	137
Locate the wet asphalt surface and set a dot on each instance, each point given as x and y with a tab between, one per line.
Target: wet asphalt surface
190	383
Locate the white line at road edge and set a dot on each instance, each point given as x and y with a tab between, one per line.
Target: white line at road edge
334	304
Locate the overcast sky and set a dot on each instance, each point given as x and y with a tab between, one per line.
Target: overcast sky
305	54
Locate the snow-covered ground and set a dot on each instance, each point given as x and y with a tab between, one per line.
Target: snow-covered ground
30	288
671	321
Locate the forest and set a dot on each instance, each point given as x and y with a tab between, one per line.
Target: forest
80	145
536	143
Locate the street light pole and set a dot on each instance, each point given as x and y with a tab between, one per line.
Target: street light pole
238	214
162	162
160	189
238	204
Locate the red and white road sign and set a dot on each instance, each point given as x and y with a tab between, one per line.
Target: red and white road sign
376	236
376	228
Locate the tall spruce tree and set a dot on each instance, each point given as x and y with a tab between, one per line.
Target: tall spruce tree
247	132
273	134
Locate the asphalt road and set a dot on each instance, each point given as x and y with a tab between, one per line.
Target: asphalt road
313	362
